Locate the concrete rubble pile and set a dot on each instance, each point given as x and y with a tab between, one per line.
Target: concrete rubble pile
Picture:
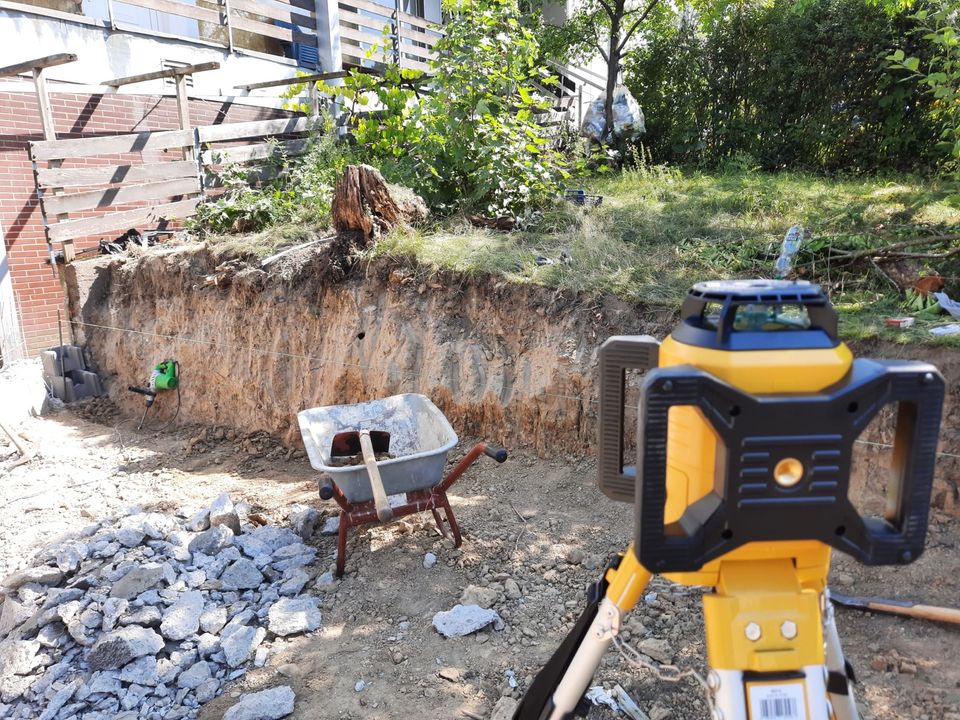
150	615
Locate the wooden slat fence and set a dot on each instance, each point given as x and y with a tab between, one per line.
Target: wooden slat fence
109	184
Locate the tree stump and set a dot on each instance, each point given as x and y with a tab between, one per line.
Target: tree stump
364	203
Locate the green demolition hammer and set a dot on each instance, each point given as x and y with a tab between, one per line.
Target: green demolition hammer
165	376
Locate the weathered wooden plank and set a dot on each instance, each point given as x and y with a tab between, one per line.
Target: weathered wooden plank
367	5
360	36
173	7
86	176
421	24
37	64
246	153
256	128
125	219
159	74
375	24
109	197
302	4
285	14
111	144
412	64
261	28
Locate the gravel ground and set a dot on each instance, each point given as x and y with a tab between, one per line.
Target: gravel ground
536	534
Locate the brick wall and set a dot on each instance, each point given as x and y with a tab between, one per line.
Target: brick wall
36	285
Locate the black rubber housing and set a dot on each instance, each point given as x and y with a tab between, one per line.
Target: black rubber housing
756	432
495	451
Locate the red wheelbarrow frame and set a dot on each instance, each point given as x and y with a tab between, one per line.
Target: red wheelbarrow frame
433	499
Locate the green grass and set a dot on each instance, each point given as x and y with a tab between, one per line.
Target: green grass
660	229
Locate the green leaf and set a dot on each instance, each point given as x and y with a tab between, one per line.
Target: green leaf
912	64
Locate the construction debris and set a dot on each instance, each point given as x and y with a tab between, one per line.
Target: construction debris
141	614
463	620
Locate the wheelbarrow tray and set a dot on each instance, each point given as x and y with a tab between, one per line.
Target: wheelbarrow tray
420	439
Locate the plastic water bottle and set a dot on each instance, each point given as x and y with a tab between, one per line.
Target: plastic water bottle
791	245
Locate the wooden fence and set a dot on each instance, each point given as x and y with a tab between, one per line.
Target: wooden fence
91	186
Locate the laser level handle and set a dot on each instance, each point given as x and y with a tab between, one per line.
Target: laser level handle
817	432
495	451
617	355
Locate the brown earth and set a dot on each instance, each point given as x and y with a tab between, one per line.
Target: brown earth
540	523
516	364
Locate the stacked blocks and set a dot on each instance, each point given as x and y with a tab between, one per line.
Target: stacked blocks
75	382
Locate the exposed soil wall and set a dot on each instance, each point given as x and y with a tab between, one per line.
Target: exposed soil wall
514	364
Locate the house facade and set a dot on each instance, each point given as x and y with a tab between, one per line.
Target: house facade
123	80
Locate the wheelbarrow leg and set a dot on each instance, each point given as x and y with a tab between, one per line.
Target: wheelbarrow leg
342	542
447	520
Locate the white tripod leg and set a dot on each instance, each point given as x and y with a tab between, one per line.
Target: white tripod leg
839	687
585	662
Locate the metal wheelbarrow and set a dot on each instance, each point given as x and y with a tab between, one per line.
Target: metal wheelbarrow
392	481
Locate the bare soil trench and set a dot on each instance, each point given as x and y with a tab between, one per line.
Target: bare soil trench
542	524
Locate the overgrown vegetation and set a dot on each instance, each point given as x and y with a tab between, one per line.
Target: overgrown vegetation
470	140
285	191
660	229
785	84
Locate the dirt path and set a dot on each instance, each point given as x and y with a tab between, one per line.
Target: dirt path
541	525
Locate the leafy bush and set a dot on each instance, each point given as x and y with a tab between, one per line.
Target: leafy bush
286	190
940	75
468	139
801	85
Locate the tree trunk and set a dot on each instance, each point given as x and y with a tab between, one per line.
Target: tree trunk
363	203
613	67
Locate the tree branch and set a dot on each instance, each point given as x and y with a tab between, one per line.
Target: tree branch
636	25
606	6
597	44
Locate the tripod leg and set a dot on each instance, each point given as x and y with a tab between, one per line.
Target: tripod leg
840	675
560	685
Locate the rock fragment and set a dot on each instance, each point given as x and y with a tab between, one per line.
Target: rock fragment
222	512
271	704
182	619
463	620
242	574
212	541
136	581
290	616
239	644
116	649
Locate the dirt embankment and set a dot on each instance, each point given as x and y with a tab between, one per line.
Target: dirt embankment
514	364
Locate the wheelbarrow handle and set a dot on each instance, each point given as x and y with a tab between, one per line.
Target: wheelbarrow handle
495	451
326	487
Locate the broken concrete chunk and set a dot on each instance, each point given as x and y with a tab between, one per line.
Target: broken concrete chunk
304	521
59	700
42	575
70	556
138	580
200	521
222	512
182	619
19	657
462	620
142	671
194	675
656	648
207	690
239	645
269	704
148	616
213	619
212	541
13	615
290	616
242	574
504	709
294	583
331	526
120	647
130	537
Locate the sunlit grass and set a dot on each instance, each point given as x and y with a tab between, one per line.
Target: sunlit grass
659	230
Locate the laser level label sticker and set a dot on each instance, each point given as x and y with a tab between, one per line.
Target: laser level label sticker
779	701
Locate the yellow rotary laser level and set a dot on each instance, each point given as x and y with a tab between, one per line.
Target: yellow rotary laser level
748	415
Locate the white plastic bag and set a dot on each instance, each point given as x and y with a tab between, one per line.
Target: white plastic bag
628	119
